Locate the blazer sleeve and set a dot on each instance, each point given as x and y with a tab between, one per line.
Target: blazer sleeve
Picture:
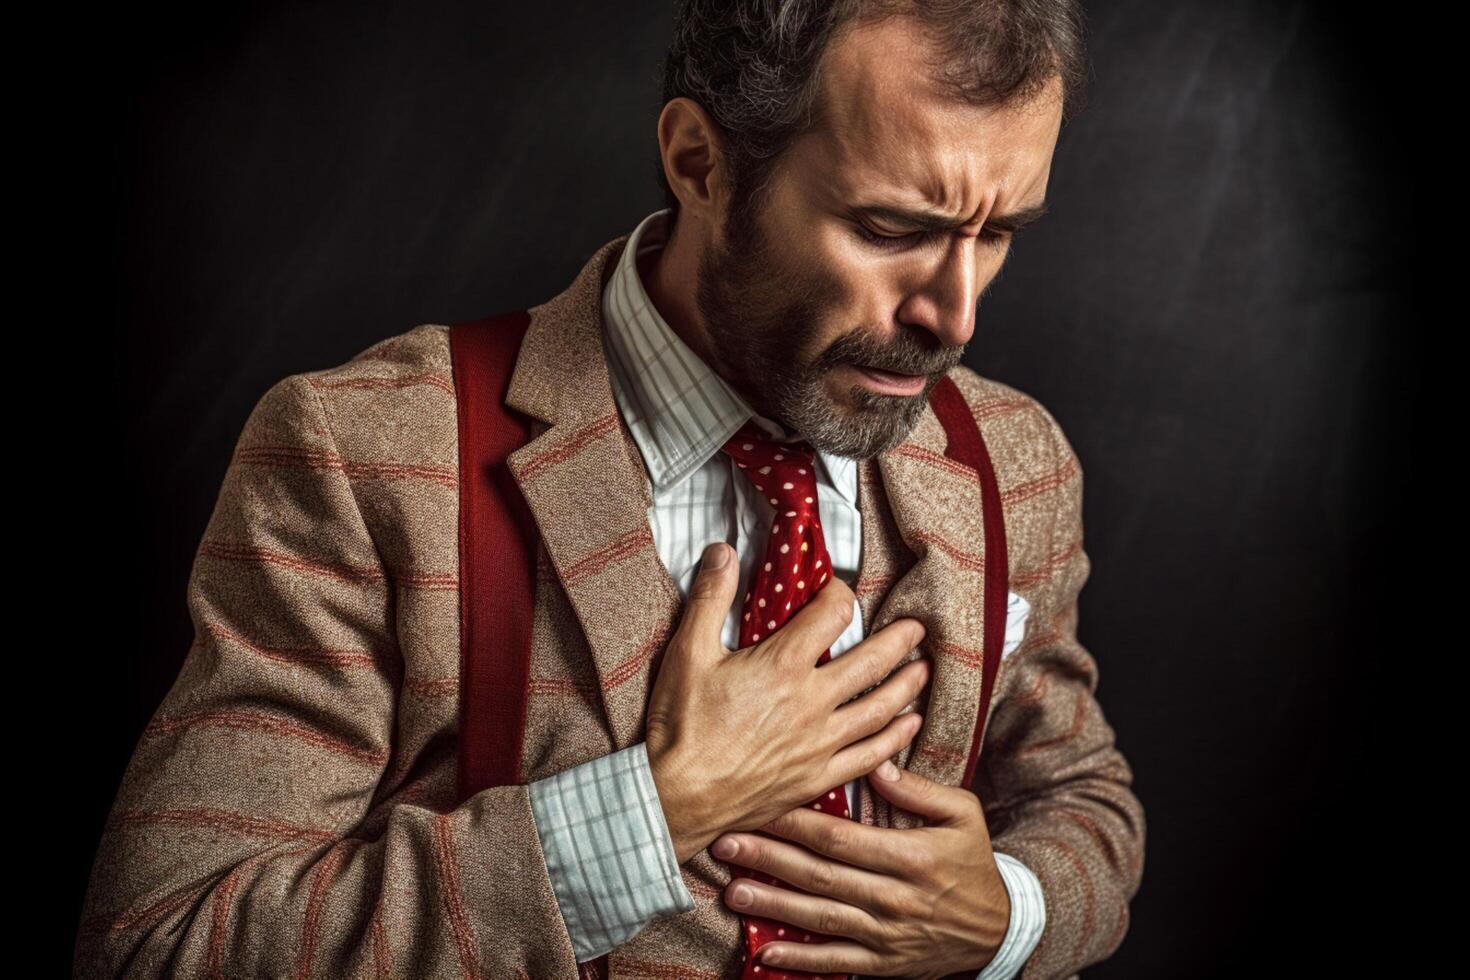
245	838
1055	789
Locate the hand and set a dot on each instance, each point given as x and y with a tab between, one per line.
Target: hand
735	740
923	903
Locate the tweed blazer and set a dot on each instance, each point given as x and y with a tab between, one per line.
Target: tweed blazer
290	808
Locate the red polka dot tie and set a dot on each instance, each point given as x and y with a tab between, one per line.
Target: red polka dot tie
796	565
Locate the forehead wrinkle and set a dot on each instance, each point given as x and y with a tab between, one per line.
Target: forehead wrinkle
911	166
948	195
900	166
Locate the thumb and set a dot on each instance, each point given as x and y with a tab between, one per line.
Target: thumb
710	597
920	795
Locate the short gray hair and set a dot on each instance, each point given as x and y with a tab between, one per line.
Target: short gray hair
753	65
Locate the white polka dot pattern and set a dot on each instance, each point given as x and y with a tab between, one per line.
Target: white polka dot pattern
786	470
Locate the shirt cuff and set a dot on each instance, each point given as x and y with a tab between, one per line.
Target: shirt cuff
608	850
1028	919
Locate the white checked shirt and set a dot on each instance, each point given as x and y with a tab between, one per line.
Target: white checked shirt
607	845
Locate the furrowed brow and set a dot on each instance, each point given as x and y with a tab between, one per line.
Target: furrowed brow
1017	219
938	221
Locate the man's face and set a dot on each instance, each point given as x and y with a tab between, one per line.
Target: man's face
795	297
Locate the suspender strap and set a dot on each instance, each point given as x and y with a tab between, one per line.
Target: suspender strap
497	555
967	446
497	563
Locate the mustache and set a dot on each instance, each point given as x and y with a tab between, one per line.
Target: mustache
911	365
909	356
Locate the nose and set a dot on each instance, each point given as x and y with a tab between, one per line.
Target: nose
945	303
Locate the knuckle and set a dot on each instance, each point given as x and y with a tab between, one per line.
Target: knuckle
977	811
829	920
898	902
705	586
915	905
924	864
754	855
824	878
837	837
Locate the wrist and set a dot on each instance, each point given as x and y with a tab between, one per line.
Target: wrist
689	823
997	920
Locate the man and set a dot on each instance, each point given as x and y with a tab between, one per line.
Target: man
291	806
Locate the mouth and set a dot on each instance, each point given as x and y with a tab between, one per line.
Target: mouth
889	383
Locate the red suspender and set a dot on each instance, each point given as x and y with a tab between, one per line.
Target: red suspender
497	563
967	446
497	555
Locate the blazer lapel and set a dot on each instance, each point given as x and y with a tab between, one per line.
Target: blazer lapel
935	506
589	492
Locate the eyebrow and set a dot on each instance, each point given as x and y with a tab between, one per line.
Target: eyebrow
939	221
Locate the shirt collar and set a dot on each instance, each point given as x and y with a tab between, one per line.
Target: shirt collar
679	411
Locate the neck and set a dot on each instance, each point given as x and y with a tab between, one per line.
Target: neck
668	275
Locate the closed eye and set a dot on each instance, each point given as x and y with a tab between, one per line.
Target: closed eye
897	243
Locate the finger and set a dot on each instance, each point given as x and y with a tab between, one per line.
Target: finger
863	756
869	713
815	626
813	915
864	866
833	957
710	598
866	665
883	850
919	794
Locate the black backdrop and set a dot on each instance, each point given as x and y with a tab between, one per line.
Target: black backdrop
1212	310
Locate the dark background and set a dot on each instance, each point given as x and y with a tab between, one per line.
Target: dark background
1213	310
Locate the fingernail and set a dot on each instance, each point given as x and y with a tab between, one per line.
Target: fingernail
715	556
740	896
726	848
888	770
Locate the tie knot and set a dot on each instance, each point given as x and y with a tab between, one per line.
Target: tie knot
784	471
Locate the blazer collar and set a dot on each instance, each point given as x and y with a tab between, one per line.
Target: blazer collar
589	490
